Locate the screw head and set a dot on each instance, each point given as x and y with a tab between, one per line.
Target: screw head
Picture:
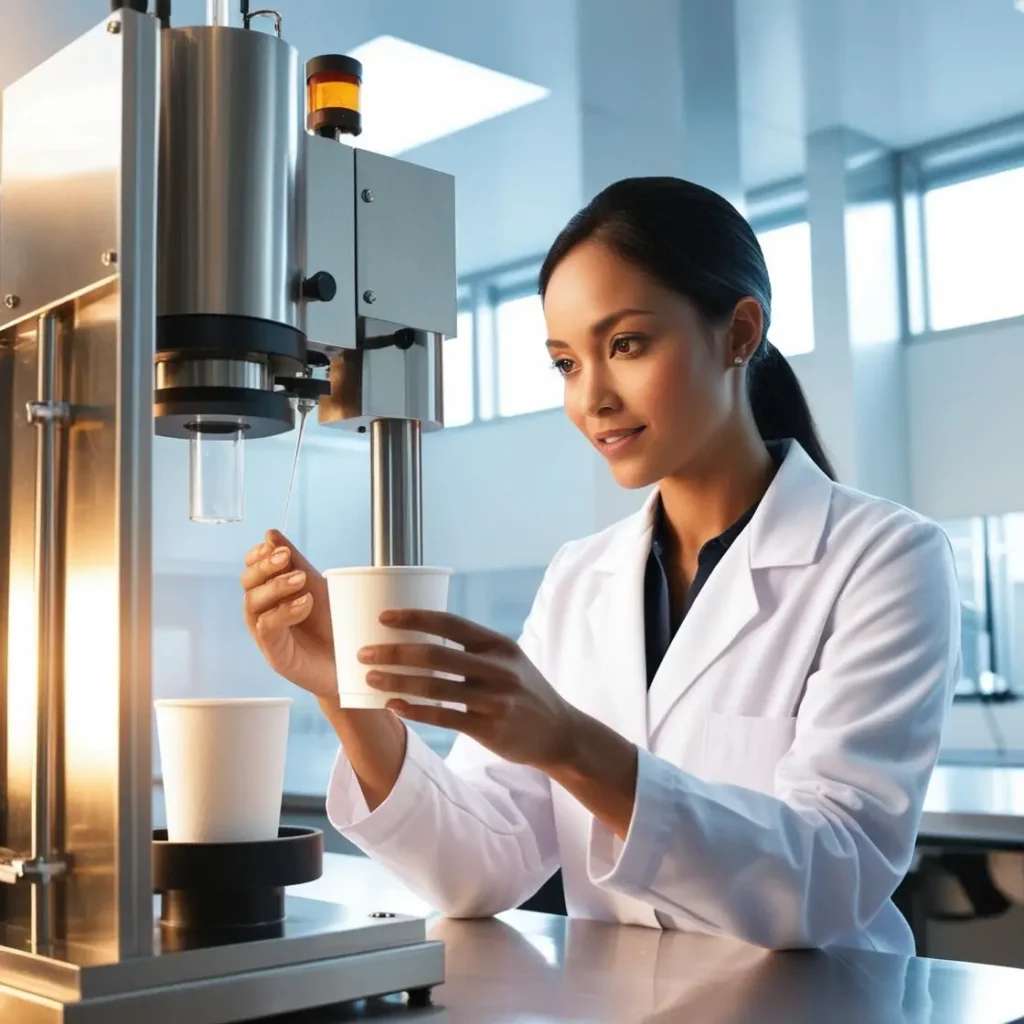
11	301
114	27
367	195
369	297
109	258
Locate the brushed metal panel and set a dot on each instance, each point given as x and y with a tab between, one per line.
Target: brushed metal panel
391	383
312	931
331	238
18	1008
405	244
232	183
61	154
107	344
252	995
136	345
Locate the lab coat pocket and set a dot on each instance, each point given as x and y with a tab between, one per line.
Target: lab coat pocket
744	750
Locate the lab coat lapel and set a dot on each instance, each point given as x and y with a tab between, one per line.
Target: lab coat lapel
726	604
616	618
786	532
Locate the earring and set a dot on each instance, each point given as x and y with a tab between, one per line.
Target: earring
738	361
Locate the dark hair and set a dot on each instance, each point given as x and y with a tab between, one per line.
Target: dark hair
695	242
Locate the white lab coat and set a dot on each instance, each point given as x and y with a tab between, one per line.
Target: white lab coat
785	744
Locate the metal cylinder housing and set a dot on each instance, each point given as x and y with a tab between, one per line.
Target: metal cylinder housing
231	200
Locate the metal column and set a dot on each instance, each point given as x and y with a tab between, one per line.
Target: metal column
48	414
397	492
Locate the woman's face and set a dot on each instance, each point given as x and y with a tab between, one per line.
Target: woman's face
647	381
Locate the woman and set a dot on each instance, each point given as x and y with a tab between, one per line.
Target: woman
723	711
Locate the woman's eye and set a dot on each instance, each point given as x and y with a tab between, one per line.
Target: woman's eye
563	366
625	346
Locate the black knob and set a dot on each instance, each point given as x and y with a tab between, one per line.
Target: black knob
321	287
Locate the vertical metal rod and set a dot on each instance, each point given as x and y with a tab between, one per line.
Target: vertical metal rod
44	773
218	12
396	492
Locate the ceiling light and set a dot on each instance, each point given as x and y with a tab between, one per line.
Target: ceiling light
413	95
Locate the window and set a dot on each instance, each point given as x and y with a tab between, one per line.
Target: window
989	556
526	380
787	251
458	374
972	249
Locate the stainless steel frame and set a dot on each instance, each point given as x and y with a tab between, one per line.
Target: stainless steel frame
77	251
78	258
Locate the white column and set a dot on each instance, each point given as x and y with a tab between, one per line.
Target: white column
859	397
658	95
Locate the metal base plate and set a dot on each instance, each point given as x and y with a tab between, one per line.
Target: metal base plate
325	955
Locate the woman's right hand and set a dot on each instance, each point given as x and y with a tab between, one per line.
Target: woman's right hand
287	612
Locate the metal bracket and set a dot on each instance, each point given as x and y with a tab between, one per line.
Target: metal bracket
247	19
14	869
47	412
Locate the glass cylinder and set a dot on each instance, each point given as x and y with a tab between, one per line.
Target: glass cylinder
216	475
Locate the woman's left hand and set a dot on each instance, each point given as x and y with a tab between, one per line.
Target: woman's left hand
510	707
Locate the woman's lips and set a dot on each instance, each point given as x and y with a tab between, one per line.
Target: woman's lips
612	442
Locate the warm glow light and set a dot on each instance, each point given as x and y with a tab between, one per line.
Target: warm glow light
412	95
91	644
22	666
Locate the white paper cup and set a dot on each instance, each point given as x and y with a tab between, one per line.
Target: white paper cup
222	762
357	598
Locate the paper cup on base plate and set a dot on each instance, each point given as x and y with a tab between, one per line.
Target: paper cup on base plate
222	762
357	598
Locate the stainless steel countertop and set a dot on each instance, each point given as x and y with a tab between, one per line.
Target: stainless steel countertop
524	967
980	803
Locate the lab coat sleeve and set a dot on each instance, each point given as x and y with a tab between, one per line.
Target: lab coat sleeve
814	861
472	835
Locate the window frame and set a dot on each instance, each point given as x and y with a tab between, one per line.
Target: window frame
953	160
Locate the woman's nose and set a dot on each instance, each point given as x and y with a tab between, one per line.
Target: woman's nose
598	396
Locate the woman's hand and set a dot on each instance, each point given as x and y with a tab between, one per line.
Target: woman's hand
510	707
287	613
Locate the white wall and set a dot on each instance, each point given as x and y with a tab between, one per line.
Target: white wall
966	412
506	494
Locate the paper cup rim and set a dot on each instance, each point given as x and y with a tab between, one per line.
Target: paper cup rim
222	702
389	570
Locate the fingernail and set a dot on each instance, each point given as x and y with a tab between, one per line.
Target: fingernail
280	556
387	617
300	601
296	578
375	678
265	549
365	655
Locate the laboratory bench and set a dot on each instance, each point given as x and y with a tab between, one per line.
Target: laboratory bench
974	805
536	968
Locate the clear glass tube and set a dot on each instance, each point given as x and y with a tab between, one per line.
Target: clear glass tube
216	469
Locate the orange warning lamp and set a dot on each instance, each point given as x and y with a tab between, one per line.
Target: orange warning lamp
332	95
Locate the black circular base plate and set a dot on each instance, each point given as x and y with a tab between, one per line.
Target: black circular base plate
259	413
230	886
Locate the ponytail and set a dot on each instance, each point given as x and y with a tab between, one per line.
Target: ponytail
780	407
